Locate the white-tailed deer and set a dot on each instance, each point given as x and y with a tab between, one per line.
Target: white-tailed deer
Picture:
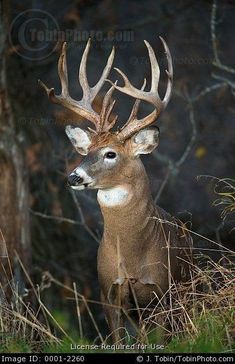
142	249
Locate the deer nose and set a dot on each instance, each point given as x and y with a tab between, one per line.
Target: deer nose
74	180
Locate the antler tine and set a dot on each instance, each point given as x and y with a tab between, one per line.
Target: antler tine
106	110
130	90
149	96
63	72
84	106
105	73
135	108
133	124
169	73
155	71
83	74
89	93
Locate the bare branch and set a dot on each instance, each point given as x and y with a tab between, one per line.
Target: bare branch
208	90
163	185
225	80
55	218
174	166
83	221
217	62
188	148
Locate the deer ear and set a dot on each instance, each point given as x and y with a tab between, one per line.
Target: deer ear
81	139
145	141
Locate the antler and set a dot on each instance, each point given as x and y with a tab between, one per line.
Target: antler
84	106
101	121
134	124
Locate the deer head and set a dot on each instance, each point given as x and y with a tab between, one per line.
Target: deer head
110	156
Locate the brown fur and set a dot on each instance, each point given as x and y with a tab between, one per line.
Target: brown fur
142	246
137	249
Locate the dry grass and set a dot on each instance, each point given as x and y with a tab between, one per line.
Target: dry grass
194	316
225	189
207	299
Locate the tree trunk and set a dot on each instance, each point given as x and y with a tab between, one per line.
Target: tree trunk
14	215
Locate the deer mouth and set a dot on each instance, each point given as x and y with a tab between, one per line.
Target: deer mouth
82	186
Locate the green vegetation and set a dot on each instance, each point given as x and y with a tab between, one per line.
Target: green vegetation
213	335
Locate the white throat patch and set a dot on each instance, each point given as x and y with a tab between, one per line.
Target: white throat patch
112	197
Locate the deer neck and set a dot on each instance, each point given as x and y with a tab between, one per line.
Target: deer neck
127	210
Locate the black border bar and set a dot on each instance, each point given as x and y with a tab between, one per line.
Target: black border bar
113	358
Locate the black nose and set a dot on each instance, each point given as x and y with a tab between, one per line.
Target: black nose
74	180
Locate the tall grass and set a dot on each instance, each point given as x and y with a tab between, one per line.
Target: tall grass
198	318
201	318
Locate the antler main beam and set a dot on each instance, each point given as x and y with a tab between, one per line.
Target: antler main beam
84	106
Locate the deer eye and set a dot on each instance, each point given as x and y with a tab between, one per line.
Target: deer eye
110	155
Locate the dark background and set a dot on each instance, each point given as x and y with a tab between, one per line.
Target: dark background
197	128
